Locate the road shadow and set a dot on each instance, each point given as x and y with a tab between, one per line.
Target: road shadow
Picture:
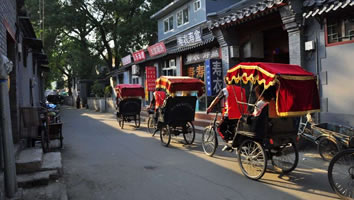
91	140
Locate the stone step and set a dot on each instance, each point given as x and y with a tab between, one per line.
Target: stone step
53	191
29	160
52	161
36	179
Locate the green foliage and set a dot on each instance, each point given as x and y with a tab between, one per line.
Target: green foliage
81	34
98	89
108	91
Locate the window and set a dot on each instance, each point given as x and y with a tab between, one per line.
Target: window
168	24
182	17
340	29
197	5
169	68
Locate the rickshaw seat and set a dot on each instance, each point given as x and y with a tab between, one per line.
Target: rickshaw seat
178	109
257	126
130	106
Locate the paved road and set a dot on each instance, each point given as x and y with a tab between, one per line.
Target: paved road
103	162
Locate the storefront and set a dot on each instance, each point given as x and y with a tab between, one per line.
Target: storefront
264	31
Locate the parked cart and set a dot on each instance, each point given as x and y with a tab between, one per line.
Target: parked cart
177	114
129	103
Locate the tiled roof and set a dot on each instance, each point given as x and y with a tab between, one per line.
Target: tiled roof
187	48
319	7
243	13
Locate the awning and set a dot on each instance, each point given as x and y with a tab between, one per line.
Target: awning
319	7
245	11
44	68
34	43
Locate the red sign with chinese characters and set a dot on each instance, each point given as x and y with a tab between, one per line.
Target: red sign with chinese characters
157	49
139	56
150	78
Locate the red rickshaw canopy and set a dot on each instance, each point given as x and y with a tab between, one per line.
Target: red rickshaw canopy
173	84
297	92
130	90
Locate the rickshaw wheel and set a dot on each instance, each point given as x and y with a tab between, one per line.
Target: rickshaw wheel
121	121
189	133
327	148
286	158
252	159
137	121
151	125
341	174
165	135
209	141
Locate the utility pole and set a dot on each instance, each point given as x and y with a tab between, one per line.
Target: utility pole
6	129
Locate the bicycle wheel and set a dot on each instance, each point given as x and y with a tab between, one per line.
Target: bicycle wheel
151	125
252	159
189	133
327	148
137	121
209	141
165	135
341	174
285	158
44	139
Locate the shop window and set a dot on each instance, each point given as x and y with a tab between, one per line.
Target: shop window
169	68
135	79
182	17
340	29
197	5
168	24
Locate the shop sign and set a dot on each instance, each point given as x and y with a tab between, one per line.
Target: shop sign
157	49
150	78
214	79
202	56
139	56
126	60
190	38
196	71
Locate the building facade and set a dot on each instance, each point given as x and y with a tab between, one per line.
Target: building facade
20	45
329	38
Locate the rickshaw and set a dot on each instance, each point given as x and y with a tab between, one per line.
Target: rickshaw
177	113
129	103
272	134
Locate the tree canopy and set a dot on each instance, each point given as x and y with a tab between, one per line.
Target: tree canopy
80	35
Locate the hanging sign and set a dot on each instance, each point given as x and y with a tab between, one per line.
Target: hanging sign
150	78
126	60
139	56
157	49
189	38
214	79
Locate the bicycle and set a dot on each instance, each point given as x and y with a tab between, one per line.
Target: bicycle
341	174
152	123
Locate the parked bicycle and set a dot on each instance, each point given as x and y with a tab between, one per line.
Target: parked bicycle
330	138
341	174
